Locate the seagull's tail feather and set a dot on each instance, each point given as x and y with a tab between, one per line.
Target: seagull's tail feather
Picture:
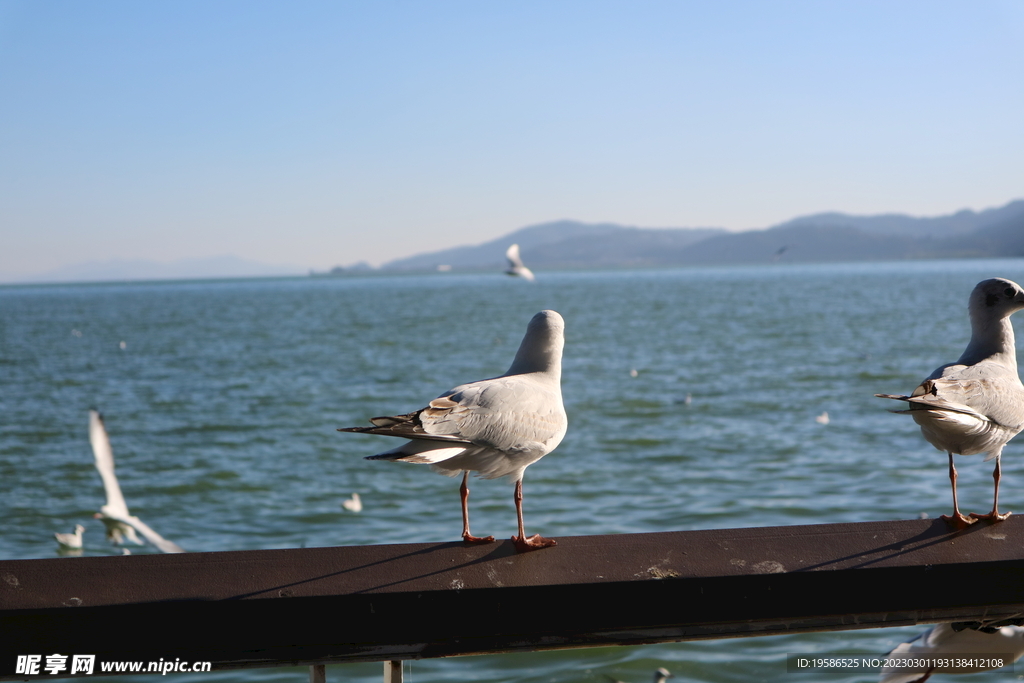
405	426
424	451
934	404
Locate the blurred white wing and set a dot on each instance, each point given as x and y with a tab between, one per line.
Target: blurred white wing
512	254
105	464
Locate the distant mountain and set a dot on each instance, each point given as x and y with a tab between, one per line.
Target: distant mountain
565	244
821	237
190	268
960	223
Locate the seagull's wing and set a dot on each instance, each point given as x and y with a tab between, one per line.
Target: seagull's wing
512	254
153	537
508	414
105	464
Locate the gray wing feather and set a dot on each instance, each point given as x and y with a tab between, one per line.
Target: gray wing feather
989	389
509	414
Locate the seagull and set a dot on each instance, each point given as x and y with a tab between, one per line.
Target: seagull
961	638
515	264
71	541
496	427
115	517
975	405
822	419
353	504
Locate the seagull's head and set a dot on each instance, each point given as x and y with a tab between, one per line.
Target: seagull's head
541	350
996	299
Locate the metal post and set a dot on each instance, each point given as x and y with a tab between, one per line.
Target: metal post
393	671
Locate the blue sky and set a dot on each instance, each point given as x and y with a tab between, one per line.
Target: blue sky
323	133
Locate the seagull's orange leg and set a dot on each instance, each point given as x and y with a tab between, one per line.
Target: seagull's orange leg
535	542
956	519
995	516
466	536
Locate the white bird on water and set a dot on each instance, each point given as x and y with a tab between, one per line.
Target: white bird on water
115	516
71	541
496	427
353	504
947	640
515	264
976	405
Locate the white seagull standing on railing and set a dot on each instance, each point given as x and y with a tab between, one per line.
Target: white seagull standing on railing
515	264
115	516
976	404
496	427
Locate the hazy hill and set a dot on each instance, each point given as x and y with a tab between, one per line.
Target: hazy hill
563	244
817	238
960	223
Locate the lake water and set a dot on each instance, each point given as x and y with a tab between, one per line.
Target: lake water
222	408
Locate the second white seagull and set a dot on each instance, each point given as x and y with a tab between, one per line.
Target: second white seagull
976	404
496	427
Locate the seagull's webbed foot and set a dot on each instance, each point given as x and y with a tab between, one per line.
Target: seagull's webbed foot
476	540
958	520
535	542
991	516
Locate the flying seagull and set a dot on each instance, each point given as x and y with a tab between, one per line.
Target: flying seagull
515	264
976	404
975	640
115	516
496	427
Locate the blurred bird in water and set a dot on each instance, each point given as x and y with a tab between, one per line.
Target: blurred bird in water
71	541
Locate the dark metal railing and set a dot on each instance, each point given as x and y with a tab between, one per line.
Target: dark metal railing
319	606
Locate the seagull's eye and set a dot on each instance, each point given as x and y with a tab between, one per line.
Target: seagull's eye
1009	292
